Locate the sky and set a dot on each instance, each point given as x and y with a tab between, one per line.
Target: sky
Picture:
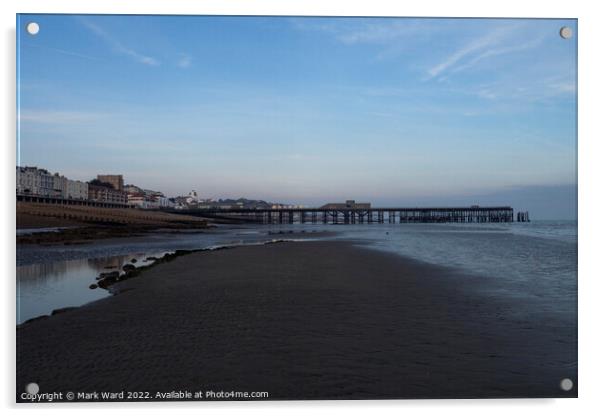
395	111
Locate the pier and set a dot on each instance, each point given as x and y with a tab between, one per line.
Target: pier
473	214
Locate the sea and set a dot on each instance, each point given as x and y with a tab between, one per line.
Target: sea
533	262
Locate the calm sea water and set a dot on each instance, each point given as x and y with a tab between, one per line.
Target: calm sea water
534	262
52	277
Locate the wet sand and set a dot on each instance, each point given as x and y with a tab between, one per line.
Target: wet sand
85	223
303	320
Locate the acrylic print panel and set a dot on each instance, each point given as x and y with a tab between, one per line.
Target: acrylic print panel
291	208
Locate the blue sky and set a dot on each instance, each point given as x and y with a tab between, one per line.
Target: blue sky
306	110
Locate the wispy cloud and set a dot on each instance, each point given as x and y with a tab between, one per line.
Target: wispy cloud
117	45
393	37
184	61
359	31
380	32
57	117
500	51
486	46
488	40
564	87
561	84
61	51
545	90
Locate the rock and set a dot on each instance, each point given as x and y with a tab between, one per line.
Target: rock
111	275
109	280
133	260
130	274
151	258
168	257
93	286
62	310
271	242
128	268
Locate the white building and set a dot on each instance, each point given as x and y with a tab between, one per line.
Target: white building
59	186
146	199
142	201
34	181
193	197
77	190
63	187
166	202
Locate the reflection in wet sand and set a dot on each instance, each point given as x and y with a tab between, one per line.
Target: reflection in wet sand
44	287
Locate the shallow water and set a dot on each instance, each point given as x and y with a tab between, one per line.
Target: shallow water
57	276
43	287
532	262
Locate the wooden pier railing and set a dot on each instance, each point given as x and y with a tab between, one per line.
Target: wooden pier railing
360	216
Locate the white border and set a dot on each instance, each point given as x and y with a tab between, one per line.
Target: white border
590	34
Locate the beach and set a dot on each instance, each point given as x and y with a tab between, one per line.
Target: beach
301	320
79	224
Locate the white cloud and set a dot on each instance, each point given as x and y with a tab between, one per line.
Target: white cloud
380	32
502	40
488	93
57	117
488	40
542	91
566	87
560	84
357	31
500	51
184	61
396	35
118	46
61	51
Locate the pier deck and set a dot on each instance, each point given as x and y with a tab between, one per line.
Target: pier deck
503	214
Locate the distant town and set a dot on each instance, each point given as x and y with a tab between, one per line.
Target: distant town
111	189
38	185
